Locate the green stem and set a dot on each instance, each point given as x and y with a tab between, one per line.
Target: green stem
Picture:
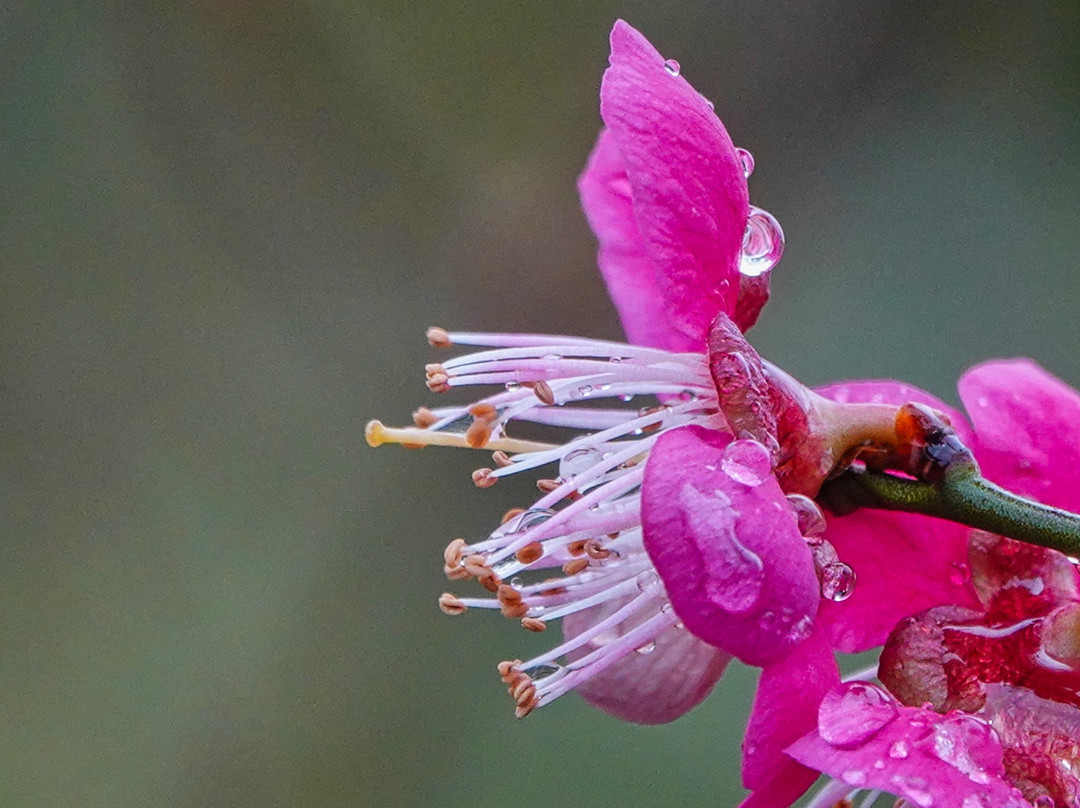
962	496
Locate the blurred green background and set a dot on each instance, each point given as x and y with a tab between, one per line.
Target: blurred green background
223	229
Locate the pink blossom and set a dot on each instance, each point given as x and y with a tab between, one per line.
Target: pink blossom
984	690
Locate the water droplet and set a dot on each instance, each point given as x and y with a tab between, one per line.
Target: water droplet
972	801
855	777
899	750
647	648
544	671
513	386
627	397
879	764
964	742
746	462
837	581
646	579
856	715
672	67
959	573
811	519
530	519
747	160
516	582
763	243
585	390
578	461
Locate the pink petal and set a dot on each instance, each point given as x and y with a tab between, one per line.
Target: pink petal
726	544
869	740
690	199
631	276
785	709
1028	427
904	563
651	688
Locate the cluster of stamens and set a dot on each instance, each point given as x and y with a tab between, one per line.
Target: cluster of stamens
578	548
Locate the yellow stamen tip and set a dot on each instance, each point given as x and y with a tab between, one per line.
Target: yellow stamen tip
375	433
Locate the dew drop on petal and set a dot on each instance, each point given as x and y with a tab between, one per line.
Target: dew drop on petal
647	648
646	579
747	161
512	386
959	573
672	67
578	461
855	777
855	716
746	462
899	750
811	519
837	581
763	243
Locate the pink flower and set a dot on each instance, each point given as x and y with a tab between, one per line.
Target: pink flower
674	545
983	705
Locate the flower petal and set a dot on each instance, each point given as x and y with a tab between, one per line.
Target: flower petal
1028	427
726	544
690	198
673	677
631	277
870	741
785	709
905	563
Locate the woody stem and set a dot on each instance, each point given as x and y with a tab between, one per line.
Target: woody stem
962	495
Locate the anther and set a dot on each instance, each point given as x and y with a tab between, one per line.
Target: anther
523	710
513	513
482	478
456	573
490	581
483	410
501	459
507	667
423	417
451	604
533	624
575	566
542	390
508	595
513	611
530	553
452	553
594	550
576	548
437	378
478	434
438	337
477	566
547	486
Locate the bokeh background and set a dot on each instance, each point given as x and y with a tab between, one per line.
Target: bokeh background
223	229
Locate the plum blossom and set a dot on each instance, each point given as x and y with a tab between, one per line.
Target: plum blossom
673	537
981	700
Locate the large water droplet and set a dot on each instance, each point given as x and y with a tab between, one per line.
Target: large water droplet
856	715
512	386
747	161
672	67
746	462
837	581
763	243
578	461
965	743
811	519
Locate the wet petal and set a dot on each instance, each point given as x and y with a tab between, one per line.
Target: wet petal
944	761
657	683
689	193
905	563
631	277
726	544
1028	427
785	709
